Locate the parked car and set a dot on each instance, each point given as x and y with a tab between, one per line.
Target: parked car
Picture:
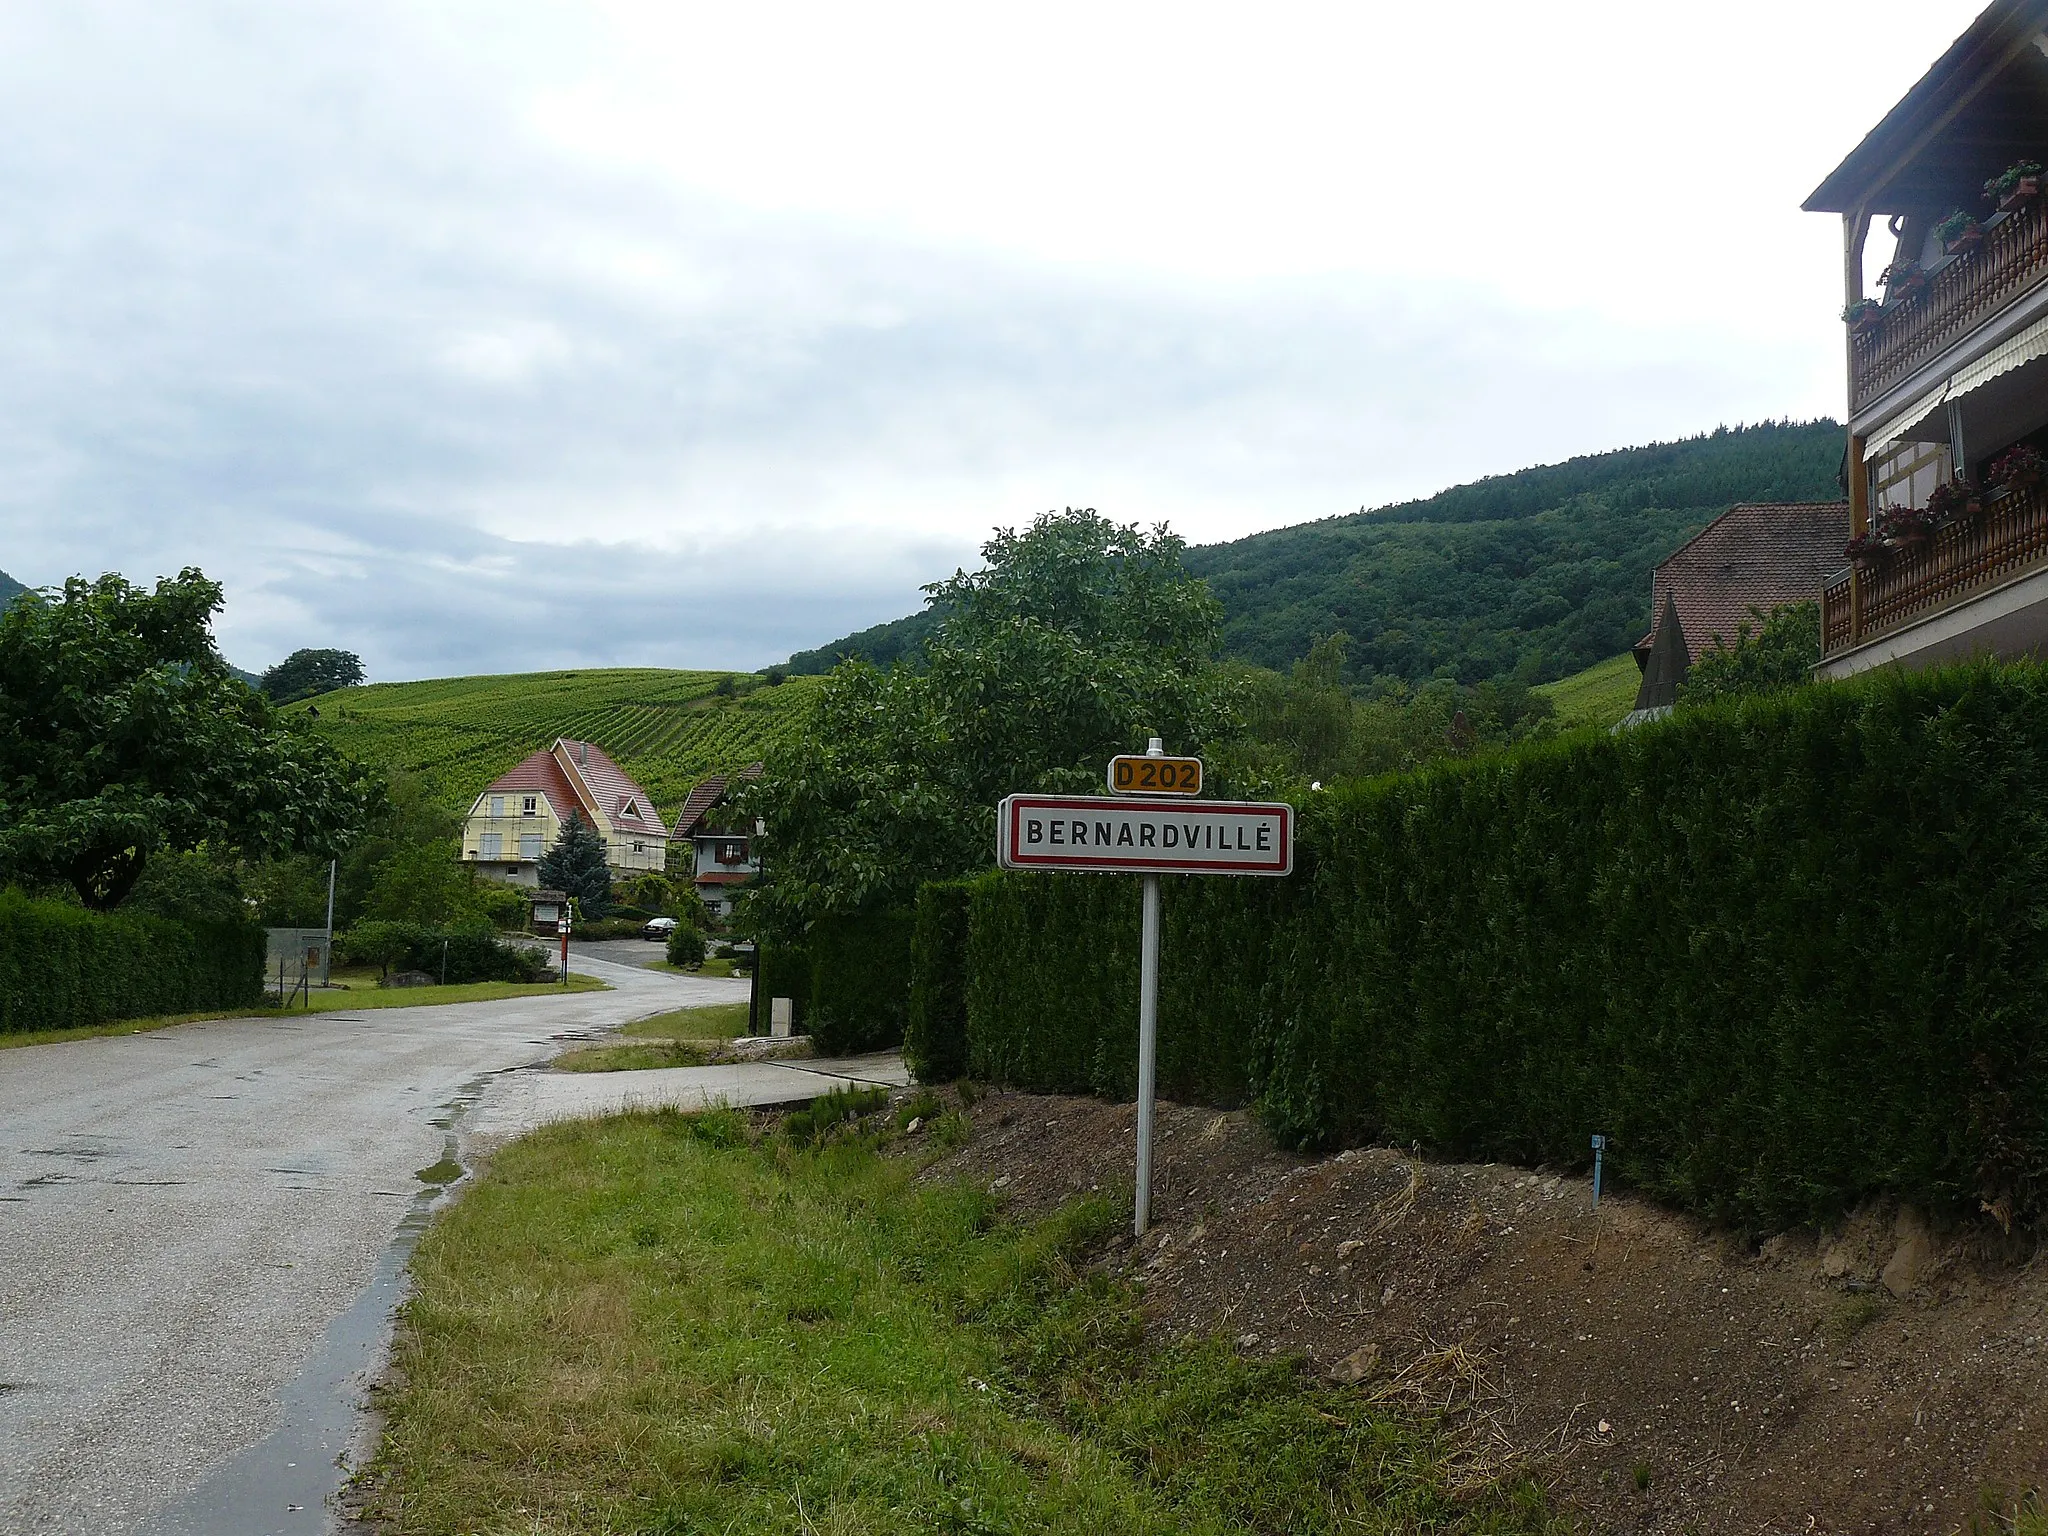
658	928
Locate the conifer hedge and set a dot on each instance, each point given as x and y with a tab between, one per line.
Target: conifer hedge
62	967
860	981
1785	954
935	1029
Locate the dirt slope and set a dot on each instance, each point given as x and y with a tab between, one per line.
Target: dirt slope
1882	1377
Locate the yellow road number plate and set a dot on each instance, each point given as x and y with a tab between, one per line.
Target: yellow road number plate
1155	775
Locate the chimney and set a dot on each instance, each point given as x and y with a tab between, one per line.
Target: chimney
583	754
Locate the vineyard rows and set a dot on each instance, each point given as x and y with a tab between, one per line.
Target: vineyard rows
667	729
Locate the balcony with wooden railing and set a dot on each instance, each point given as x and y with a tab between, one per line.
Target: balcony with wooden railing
1964	291
2004	540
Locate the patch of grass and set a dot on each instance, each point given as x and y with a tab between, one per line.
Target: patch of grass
1850	1316
643	1056
711	967
652	1324
1600	695
718	1021
841	1107
321	1002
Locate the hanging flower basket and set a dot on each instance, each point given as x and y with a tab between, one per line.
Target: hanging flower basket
1958	501
1864	316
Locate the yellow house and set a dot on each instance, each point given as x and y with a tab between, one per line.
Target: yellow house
519	816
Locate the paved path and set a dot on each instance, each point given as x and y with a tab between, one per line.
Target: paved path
202	1233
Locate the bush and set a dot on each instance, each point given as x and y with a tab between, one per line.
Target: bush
1786	953
784	970
860	981
935	1030
62	967
595	930
463	954
685	945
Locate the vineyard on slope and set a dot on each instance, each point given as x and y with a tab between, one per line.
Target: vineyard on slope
667	729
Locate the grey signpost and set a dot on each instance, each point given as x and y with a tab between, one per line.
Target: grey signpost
1150	828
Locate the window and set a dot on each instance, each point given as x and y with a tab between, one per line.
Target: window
639	847
734	852
530	806
493	846
497	805
630	808
529	845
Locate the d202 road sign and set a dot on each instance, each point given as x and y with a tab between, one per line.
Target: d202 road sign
1131	837
1133	774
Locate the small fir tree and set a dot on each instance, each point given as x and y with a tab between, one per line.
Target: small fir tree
575	866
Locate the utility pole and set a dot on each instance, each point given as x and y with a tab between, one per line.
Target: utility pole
327	950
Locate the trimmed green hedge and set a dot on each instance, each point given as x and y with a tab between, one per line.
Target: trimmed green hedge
1785	954
62	967
860	981
785	971
935	1030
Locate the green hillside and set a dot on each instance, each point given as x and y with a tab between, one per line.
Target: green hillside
10	589
1600	695
1534	575
668	729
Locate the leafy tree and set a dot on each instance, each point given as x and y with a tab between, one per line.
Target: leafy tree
575	866
123	735
423	883
303	674
1774	653
197	886
685	945
1078	639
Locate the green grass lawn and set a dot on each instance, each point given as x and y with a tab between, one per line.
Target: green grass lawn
651	1324
683	1038
1600	695
349	998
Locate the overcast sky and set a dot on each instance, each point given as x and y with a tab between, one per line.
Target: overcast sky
500	336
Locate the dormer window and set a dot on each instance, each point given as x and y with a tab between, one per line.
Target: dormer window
630	808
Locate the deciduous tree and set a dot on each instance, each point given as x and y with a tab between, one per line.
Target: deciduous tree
303	674
123	734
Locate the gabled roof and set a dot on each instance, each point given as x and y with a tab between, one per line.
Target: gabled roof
1757	554
538	771
623	804
1977	110
699	802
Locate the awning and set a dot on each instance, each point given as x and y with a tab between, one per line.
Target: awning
2015	351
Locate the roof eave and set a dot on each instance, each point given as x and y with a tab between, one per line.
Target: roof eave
1987	45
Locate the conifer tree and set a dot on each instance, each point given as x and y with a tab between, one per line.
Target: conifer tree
575	866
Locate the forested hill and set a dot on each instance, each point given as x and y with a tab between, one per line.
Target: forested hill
1535	574
10	589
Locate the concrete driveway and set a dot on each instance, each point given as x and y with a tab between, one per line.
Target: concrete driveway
203	1231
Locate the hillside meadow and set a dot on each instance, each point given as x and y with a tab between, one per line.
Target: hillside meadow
668	729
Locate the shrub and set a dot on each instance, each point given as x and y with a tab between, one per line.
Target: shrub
685	945
464	954
860	981
1785	952
62	967
935	1027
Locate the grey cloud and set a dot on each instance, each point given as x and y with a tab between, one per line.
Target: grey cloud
274	304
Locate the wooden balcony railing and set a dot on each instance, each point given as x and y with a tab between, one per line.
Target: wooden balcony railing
2008	536
1964	292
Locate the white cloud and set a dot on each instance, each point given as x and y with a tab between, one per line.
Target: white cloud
483	336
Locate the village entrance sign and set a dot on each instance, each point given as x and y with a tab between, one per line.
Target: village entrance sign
1152	830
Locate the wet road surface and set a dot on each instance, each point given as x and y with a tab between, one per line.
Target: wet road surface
202	1231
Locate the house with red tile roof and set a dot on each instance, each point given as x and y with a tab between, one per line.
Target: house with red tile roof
519	815
1753	556
726	856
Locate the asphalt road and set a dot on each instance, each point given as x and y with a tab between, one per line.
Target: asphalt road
201	1236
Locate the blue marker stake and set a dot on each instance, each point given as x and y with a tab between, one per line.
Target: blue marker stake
1599	1147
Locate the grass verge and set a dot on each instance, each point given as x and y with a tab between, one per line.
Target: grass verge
656	1324
685	1037
321	1002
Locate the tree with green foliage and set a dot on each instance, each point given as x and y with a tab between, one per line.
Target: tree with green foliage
1078	639
303	674
123	734
685	946
1772	652
576	866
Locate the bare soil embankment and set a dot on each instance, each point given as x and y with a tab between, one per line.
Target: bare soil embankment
1658	1375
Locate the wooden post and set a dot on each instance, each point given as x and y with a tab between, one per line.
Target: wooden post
1855	229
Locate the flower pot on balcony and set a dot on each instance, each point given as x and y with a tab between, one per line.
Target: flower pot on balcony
1964	243
2023	192
1864	321
1906	543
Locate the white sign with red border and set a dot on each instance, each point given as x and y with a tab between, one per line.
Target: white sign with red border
1094	833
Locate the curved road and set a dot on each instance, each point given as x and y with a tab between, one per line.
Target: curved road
201	1234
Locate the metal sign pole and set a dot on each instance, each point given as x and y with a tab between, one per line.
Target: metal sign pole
1148	1036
